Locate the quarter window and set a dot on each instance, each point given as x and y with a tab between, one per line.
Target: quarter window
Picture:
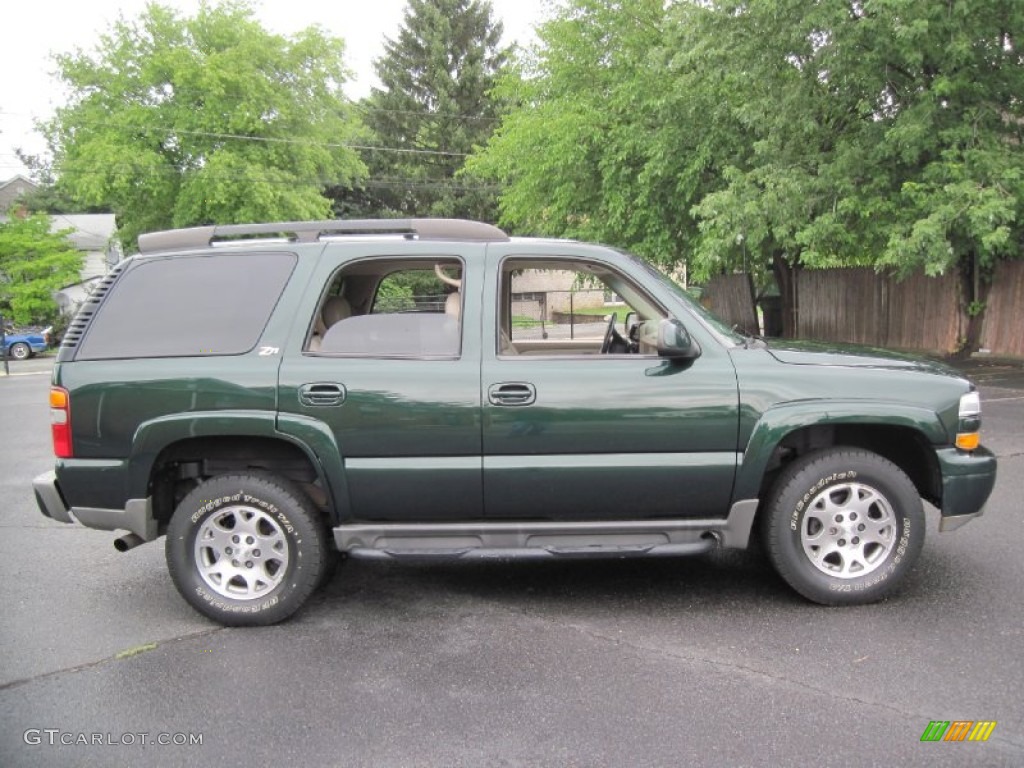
181	306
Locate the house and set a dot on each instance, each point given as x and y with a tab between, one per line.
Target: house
93	234
13	189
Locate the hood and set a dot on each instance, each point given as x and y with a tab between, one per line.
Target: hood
852	355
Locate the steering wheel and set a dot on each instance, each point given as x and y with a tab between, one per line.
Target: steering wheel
609	334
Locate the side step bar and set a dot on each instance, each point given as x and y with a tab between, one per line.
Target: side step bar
485	540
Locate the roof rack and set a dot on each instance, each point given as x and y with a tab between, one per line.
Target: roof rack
312	231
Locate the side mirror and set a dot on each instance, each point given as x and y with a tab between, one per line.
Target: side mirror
675	342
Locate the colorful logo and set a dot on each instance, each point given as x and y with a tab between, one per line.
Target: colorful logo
958	730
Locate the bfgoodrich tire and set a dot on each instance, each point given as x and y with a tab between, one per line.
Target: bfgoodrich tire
843	526
246	549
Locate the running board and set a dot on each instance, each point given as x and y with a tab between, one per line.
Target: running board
484	540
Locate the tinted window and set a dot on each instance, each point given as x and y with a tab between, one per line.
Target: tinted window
180	306
394	335
391	308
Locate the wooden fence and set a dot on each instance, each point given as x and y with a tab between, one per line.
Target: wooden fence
731	297
863	307
1002	332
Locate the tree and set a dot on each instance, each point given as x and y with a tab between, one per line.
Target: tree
748	133
888	134
178	121
607	140
434	107
34	263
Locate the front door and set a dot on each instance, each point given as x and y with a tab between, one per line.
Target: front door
582	423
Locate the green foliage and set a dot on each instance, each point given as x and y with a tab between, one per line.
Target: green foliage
177	121
587	153
34	263
742	133
393	296
433	108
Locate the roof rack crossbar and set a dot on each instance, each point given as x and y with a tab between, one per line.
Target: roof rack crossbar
311	231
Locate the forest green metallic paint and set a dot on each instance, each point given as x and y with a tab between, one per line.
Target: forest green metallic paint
781	420
420	440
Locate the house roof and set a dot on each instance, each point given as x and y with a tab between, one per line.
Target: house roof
91	231
14	188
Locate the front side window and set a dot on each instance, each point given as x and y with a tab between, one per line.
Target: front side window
573	307
391	308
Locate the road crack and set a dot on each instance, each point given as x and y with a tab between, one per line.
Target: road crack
117	657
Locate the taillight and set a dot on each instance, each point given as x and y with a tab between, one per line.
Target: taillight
60	422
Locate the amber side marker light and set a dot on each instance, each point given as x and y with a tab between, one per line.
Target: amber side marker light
968	436
60	422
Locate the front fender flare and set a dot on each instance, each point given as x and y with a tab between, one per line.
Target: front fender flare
778	422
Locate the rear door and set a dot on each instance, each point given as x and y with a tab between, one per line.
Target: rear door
387	356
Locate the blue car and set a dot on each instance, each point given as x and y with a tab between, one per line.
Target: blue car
21	346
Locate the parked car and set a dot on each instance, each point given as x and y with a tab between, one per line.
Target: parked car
23	345
247	392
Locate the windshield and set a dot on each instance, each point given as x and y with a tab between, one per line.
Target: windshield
695	306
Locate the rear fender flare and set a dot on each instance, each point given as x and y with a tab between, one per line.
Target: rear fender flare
155	435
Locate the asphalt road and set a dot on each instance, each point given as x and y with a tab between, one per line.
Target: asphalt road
700	661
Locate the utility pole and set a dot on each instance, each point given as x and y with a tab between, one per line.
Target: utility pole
3	346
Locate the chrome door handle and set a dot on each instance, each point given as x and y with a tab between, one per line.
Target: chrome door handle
322	394
512	393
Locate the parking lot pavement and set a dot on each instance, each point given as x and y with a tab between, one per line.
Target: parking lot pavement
34	366
709	660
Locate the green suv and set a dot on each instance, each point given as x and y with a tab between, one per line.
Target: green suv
271	397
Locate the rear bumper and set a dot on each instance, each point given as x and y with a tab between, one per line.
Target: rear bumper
967	482
48	497
136	517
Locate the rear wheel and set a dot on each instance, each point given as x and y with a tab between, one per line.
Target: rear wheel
843	526
246	549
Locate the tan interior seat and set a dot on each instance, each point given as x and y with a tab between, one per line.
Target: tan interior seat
335	309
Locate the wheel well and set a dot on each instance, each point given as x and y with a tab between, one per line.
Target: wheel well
904	447
181	466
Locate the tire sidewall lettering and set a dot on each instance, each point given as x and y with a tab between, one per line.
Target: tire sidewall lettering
290	510
795	490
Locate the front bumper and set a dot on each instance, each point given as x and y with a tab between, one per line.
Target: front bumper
136	517
967	482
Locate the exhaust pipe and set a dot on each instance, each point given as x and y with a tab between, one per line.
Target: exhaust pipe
126	542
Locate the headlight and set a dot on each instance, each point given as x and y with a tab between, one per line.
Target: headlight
968	433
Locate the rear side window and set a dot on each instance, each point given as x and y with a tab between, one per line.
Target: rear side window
184	306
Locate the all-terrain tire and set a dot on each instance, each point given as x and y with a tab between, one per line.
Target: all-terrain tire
843	526
246	549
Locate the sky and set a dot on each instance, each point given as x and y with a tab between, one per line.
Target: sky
33	30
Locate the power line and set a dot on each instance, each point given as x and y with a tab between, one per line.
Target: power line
125	171
361	108
425	113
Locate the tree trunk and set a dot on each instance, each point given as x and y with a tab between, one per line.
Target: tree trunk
785	278
975	294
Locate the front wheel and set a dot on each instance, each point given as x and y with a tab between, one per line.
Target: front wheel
843	526
246	549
